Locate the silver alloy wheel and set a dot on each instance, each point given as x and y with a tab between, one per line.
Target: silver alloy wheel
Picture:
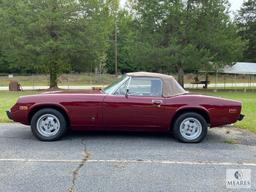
190	128
48	125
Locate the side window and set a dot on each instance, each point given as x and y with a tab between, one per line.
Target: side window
122	89
141	86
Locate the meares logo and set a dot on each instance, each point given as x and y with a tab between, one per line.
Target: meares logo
237	183
238	178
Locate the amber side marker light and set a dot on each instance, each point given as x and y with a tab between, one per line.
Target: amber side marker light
23	107
232	110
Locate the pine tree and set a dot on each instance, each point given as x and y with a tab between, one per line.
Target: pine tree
54	35
247	22
184	36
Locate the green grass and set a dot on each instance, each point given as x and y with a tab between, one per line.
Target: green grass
7	99
65	79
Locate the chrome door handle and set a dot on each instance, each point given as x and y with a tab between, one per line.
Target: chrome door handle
157	102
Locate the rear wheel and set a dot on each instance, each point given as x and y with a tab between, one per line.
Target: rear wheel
190	128
48	125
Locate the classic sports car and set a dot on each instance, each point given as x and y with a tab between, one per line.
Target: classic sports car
138	101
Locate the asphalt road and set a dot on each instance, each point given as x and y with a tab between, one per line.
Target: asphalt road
120	162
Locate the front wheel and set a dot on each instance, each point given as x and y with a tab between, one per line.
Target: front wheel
190	128
48	125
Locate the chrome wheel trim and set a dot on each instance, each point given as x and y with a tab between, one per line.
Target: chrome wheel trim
190	128
48	125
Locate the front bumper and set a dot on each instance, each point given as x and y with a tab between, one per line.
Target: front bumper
241	117
9	115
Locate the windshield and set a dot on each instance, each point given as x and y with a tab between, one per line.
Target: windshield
112	87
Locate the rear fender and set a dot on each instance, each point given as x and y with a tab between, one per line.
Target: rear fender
200	110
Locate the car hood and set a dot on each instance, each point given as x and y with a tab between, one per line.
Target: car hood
54	96
89	91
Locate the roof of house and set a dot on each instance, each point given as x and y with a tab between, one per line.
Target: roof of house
241	68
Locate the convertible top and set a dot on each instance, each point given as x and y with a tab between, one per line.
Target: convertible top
170	86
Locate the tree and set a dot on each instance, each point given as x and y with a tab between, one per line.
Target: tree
246	21
216	32
180	36
53	35
125	44
92	38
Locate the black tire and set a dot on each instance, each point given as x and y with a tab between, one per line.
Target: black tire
177	126
62	122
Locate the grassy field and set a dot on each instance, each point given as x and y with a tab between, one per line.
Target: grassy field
65	79
7	99
89	79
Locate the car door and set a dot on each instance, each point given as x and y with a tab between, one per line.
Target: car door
141	109
85	111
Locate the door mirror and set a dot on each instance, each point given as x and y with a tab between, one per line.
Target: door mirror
127	93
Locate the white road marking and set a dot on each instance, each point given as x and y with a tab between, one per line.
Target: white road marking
131	161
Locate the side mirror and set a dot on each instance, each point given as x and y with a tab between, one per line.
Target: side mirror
127	93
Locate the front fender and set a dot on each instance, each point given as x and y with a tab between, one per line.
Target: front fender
39	106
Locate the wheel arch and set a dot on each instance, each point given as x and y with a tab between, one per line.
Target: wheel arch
200	111
57	107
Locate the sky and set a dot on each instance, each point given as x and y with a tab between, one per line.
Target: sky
235	4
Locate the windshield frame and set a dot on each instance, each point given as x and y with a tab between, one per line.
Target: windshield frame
112	88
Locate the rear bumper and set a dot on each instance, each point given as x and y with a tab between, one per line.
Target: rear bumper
241	117
9	115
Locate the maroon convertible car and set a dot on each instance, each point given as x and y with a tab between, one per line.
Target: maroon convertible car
138	101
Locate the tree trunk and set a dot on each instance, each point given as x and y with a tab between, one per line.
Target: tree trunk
53	77
181	76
